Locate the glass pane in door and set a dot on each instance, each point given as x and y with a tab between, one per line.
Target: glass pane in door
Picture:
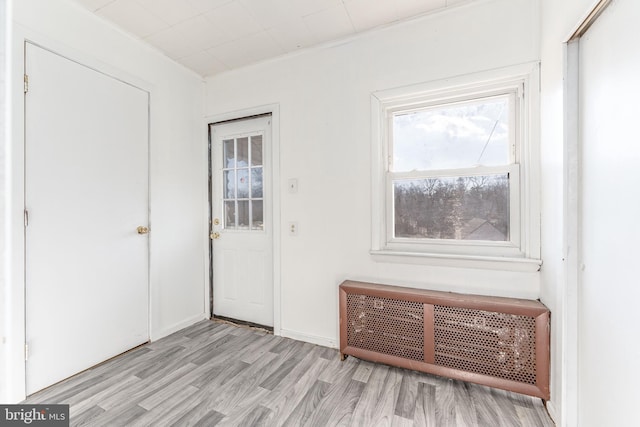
243	188
256	150
243	152
257	216
229	153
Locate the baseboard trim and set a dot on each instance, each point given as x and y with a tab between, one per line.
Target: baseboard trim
313	339
156	335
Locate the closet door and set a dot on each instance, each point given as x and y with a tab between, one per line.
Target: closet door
609	352
86	195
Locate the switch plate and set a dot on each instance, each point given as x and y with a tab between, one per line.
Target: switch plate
293	228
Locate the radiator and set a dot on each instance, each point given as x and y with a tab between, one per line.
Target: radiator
498	342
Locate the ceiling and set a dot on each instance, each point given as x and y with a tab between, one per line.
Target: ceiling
212	36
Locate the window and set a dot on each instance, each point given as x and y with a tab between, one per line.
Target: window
455	169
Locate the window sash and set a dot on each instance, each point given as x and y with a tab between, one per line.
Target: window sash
508	247
514	96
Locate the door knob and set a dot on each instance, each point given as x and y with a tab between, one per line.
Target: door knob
142	229
214	236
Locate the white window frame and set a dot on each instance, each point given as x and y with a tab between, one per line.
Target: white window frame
522	251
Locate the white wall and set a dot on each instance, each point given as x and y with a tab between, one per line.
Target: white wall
177	166
325	128
559	19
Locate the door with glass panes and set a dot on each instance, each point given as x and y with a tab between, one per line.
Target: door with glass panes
241	228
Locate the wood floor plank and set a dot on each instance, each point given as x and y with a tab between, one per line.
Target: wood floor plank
425	413
206	337
142	389
248	415
338	405
219	375
339	371
208	398
258	417
464	405
506	402
258	352
92	397
256	349
399	421
243	406
199	329
329	353
287	396
272	381
445	404
406	403
487	411
162	360
161	411
308	404
86	417
118	418
67	392
363	372
210	419
195	411
244	386
376	406
163	395
220	356
216	374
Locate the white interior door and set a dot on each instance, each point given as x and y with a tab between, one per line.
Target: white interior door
242	225
609	349
86	192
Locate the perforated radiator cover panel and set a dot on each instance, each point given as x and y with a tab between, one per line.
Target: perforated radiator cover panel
499	342
386	326
496	344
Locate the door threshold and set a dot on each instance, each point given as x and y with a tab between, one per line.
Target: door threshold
243	323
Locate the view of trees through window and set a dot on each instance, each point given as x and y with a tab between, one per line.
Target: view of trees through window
470	142
463	208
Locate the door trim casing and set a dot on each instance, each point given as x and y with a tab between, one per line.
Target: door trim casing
274	111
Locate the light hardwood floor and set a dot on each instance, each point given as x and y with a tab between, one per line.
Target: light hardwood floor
214	373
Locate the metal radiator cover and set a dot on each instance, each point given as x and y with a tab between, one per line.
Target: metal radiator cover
495	344
386	326
499	342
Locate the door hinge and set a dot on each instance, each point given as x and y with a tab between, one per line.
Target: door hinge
26	352
26	218
26	83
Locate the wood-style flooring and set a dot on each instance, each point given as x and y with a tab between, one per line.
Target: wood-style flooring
218	374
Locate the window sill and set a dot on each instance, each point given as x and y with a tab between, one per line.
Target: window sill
526	265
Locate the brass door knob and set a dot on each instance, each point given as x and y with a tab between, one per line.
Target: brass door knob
142	229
